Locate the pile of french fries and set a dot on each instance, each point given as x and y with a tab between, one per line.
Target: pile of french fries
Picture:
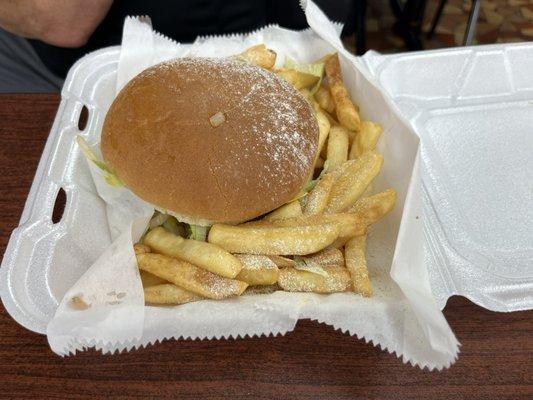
315	243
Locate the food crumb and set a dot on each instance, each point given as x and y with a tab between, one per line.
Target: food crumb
77	303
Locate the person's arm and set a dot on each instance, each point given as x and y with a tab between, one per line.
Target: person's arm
63	23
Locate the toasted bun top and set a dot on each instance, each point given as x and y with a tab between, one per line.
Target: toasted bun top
158	139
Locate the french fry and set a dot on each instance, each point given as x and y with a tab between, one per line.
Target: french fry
140	248
281	261
340	242
323	130
373	208
365	140
351	134
294	280
324	99
306	264
337	151
264	237
149	279
259	55
298	79
206	255
351	180
318	197
257	270
167	293
264	289
190	277
351	228
328	258
289	210
355	250
331	119
346	111
350	224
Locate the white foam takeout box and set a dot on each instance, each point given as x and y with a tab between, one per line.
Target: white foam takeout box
473	111
471	107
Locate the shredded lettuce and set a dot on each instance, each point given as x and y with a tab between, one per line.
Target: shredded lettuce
315	69
198	232
306	264
310	184
109	176
158	219
171	224
168	222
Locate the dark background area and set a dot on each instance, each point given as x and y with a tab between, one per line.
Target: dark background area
500	21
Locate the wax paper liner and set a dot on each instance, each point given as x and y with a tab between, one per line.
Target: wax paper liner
108	313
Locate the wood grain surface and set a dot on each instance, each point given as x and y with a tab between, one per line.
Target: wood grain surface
313	362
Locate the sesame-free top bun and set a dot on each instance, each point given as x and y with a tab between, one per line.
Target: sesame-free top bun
158	139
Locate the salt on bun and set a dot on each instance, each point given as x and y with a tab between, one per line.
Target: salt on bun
211	140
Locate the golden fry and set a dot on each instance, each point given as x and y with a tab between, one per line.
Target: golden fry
356	263
350	224
351	180
168	293
346	110
264	237
351	134
373	208
294	280
318	197
324	99
149	279
282	262
366	139
339	242
331	119
206	255
190	277
140	248
328	258
337	151
259	55
298	79
289	210
257	270
323	130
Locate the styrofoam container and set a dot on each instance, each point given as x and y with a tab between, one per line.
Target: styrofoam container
473	111
44	259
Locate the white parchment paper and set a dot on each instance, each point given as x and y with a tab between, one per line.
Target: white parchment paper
401	317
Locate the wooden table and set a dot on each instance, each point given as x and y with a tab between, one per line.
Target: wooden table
314	361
